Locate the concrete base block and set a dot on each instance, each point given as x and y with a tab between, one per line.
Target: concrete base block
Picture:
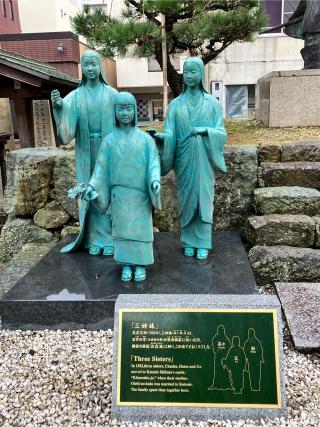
287	98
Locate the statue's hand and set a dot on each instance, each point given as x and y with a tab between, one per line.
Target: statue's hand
56	98
159	136
89	194
156	187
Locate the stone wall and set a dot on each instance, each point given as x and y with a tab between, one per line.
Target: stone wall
36	201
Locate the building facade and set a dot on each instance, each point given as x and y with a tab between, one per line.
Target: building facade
43	16
59	49
231	78
9	17
47	35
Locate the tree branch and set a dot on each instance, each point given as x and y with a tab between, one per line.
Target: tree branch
214	53
139	8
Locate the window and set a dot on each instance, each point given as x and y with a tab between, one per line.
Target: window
143	110
279	11
11	10
153	64
289	6
216	86
273	9
240	101
4	12
251	97
157	110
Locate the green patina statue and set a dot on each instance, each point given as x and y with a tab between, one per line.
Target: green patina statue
86	114
193	145
126	183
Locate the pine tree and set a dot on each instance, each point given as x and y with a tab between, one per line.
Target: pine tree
201	28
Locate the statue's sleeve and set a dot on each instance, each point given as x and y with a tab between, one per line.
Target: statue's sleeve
100	179
154	173
216	139
168	148
66	118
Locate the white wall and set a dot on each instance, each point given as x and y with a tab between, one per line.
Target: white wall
38	16
245	63
64	10
241	63
114	7
133	72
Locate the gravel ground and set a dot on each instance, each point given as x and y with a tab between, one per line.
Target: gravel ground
56	378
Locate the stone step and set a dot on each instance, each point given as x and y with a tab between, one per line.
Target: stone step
287	200
305	151
287	229
302	174
301	306
302	151
270	152
272	264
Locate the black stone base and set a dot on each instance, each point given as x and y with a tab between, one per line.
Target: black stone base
70	291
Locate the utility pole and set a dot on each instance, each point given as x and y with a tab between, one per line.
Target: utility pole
164	64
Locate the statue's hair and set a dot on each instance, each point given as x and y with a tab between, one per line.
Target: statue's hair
126	98
200	64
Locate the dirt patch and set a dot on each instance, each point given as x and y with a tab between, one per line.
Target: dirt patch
252	132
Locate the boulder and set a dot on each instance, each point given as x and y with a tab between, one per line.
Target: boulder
51	216
233	198
17	232
168	218
272	264
308	151
29	179
63	179
302	174
234	190
69	229
289	230
269	153
287	200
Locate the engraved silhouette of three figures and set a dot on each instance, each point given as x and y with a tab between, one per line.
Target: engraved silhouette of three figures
231	361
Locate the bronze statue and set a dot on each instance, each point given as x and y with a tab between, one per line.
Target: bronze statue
305	24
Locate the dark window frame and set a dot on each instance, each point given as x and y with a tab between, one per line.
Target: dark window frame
278	11
11	10
4	11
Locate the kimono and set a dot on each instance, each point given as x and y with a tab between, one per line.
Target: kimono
72	122
127	165
194	159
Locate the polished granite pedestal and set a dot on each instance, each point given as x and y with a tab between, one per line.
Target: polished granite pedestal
79	291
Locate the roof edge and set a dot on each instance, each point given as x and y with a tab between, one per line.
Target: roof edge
39	36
